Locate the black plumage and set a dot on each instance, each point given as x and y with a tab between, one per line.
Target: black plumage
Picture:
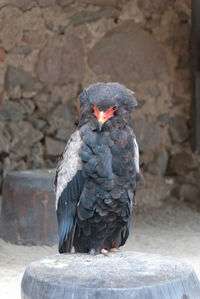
96	175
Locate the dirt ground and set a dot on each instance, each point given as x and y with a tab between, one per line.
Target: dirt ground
172	229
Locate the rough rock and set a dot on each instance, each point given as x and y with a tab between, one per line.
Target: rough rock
21	4
187	178
13	163
115	3
43	102
61	61
148	134
37	149
58	18
2	54
7	165
1	96
178	129
44	3
16	129
51	161
26	139
181	163
145	158
63	114
92	16
28	106
159	164
3	68
37	155
1	183
64	94
29	94
54	147
197	172
186	192
15	93
140	103
150	197
154	91
18	77
10	111
37	122
65	133
189	193
135	54
164	118
35	33
4	143
33	20
35	38
11	32
65	2
154	6
22	50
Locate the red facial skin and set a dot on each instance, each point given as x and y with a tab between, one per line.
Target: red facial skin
103	116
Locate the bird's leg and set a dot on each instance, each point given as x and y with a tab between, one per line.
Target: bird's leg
93	252
104	252
114	250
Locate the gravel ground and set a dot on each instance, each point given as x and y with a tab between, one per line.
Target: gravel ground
172	229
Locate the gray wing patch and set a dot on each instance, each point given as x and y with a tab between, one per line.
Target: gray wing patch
139	177
136	156
68	186
68	165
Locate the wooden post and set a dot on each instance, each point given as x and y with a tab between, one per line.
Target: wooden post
125	275
195	57
28	208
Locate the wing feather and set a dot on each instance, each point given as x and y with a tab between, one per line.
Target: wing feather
68	164
139	177
68	187
137	155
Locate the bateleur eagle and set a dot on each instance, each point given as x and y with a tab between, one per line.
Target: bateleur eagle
96	178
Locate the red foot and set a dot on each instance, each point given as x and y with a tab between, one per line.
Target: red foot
114	250
104	252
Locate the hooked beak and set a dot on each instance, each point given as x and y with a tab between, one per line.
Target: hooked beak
103	116
100	124
101	120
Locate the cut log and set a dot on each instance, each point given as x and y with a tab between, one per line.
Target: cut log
125	275
28	214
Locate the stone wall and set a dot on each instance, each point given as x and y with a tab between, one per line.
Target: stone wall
51	49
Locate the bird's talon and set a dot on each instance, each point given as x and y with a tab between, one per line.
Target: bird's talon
114	250
104	252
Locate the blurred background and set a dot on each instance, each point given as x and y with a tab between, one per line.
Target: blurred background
51	49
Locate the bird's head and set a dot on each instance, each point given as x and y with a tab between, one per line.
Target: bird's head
110	105
103	116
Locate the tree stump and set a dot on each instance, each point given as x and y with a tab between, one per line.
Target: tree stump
125	275
28	208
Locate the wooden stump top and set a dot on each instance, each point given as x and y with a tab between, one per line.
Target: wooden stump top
121	275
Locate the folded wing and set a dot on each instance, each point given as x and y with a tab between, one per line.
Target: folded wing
68	187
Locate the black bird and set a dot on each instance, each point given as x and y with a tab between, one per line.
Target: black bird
96	175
